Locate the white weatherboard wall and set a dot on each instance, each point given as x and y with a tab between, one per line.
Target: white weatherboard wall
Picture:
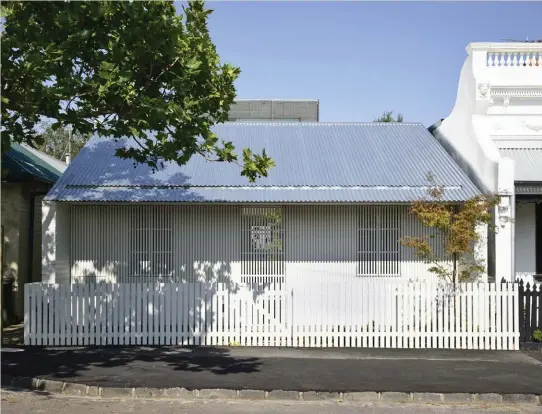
113	243
186	243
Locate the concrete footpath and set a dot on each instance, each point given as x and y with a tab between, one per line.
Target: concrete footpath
334	371
34	403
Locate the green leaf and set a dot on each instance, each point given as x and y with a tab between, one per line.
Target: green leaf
124	69
193	64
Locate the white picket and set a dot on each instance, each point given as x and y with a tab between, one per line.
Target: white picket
64	326
357	313
489	313
498	315
515	332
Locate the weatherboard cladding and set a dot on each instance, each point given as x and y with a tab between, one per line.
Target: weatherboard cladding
315	162
528	163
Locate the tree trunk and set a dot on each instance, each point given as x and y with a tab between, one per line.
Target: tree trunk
454	270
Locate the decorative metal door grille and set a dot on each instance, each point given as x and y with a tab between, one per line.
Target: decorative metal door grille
151	244
262	248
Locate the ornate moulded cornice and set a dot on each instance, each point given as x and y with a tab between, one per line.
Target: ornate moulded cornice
516	92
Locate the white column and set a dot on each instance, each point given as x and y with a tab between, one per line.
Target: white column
55	242
63	243
48	241
504	246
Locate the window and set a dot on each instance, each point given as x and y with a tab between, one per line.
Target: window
151	245
378	241
262	246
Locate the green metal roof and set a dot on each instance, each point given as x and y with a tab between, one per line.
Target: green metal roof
24	163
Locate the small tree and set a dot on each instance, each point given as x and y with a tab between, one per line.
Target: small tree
387	116
455	229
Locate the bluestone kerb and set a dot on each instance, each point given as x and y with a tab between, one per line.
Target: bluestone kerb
75	389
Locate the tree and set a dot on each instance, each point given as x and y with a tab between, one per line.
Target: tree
57	142
120	69
455	232
387	116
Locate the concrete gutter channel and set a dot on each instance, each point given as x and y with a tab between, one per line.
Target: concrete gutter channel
82	390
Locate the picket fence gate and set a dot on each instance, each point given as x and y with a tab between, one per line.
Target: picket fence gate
530	312
356	313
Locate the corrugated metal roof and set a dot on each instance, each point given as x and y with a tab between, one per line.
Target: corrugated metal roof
528	163
391	160
250	195
23	162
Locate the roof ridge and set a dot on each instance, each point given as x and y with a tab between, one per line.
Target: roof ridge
313	123
256	187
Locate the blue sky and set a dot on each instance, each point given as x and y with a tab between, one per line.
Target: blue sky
361	58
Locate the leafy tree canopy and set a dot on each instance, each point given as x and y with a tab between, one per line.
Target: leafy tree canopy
120	69
57	143
387	116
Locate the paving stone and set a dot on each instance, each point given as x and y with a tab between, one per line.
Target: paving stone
75	389
175	392
112	392
367	396
427	397
252	394
489	398
395	397
520	399
458	397
148	392
180	393
315	396
215	394
283	395
93	391
51	386
190	393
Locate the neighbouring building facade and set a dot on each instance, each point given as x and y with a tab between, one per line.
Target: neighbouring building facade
335	206
28	174
495	134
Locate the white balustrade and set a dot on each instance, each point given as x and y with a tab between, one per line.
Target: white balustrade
515	59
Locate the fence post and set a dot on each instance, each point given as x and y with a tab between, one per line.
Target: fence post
521	310
532	322
292	331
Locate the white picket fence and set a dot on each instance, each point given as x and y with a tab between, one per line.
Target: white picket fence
323	313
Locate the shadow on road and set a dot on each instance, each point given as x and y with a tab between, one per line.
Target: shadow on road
71	363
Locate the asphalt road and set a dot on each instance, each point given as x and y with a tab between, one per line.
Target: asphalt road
31	403
283	369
